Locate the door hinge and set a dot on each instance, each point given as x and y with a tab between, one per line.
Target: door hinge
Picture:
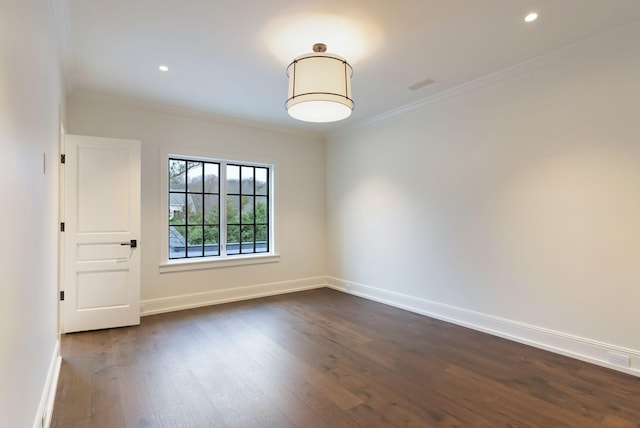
62	295
63	158
62	227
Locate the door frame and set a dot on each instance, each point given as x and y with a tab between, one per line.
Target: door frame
61	216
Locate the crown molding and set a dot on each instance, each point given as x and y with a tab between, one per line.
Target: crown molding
604	39
191	114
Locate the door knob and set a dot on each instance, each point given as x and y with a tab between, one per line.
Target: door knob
132	244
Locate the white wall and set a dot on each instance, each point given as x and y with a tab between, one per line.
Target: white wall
300	204
30	94
514	203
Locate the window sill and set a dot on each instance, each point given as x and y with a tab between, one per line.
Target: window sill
194	264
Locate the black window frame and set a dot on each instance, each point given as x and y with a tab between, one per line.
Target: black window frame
261	229
202	224
242	224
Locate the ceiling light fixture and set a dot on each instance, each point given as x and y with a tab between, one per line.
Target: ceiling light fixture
163	68
319	87
531	17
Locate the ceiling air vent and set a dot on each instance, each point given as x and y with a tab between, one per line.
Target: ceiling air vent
421	84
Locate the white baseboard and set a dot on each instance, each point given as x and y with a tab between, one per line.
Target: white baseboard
561	343
189	301
48	398
584	349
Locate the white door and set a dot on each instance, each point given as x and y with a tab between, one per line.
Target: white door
101	233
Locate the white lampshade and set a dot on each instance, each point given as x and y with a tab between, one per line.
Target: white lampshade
319	87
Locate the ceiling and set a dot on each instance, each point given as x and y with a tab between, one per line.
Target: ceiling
228	57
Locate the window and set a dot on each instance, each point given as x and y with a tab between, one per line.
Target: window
199	225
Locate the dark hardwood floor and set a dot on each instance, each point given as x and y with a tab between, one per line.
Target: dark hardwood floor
321	358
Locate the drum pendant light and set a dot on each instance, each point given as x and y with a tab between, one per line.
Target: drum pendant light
319	87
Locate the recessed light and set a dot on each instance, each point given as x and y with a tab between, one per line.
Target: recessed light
531	17
163	68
